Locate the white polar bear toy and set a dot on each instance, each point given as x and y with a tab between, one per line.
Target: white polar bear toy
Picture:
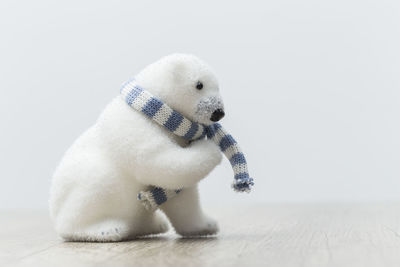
95	187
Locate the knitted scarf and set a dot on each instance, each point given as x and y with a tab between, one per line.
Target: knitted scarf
152	107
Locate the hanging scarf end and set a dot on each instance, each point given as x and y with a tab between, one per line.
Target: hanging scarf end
243	185
147	200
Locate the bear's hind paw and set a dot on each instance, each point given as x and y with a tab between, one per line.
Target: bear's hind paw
109	231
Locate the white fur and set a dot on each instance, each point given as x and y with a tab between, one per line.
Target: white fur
94	189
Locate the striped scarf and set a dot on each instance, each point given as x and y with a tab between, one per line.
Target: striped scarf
141	100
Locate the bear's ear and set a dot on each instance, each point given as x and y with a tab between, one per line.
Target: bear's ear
178	68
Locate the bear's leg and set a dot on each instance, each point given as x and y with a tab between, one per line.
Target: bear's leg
151	225
186	216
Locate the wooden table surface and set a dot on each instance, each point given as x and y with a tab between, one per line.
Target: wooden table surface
259	235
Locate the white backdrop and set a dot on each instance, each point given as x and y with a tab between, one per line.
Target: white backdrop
311	88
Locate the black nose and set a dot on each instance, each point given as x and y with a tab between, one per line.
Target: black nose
217	115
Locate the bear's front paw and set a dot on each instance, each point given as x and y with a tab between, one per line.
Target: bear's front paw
207	227
210	153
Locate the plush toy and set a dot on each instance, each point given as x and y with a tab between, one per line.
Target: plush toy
155	141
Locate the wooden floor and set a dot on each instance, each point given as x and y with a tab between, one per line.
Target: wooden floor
264	235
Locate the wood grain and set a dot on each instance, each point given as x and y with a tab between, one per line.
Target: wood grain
261	235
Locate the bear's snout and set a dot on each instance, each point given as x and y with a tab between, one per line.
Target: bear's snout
217	115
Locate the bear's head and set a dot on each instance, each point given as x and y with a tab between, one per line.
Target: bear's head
187	84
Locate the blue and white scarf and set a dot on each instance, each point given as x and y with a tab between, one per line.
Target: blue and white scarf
141	100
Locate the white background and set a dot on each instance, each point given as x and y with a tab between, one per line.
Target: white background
311	88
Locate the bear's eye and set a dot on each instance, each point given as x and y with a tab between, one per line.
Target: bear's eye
199	85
